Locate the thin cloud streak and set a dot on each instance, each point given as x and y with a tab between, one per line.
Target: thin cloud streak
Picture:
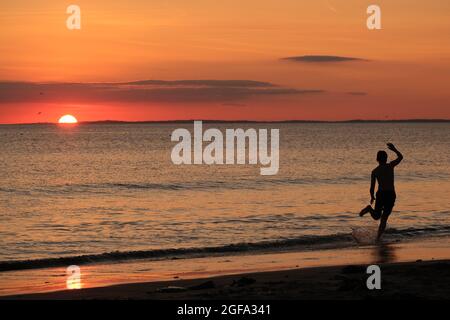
177	91
321	59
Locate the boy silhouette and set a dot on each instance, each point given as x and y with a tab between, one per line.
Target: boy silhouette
385	197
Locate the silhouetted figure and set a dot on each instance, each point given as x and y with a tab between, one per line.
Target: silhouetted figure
385	198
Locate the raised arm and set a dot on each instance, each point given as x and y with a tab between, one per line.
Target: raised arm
398	153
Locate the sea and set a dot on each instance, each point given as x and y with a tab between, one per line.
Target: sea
110	191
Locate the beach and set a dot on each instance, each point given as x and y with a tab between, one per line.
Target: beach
407	270
412	280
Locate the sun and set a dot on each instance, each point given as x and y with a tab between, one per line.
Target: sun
68	118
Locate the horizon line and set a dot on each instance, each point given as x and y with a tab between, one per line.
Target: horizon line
417	120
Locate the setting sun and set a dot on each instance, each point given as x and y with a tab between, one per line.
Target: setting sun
68	118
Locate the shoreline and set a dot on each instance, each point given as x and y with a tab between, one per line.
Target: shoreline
51	282
301	244
401	280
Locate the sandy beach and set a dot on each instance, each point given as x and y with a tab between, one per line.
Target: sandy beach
409	270
411	280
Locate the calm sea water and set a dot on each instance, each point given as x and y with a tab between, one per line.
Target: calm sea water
93	189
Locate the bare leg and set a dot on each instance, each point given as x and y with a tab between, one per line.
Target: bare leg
382	226
365	210
384	218
376	214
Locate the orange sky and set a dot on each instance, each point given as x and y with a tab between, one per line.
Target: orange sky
404	71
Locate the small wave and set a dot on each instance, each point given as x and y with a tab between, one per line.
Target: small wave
411	232
305	242
101	188
242	184
171	253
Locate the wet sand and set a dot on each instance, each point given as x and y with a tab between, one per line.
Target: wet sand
406	280
417	269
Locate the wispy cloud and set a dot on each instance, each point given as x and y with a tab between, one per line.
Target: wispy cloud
201	83
322	59
177	91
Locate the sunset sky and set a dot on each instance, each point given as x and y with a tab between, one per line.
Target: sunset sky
183	59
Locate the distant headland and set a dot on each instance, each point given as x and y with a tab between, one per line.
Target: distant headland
244	121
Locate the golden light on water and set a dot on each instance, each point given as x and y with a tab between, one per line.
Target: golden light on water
67	119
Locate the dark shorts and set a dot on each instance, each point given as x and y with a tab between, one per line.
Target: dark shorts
385	201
